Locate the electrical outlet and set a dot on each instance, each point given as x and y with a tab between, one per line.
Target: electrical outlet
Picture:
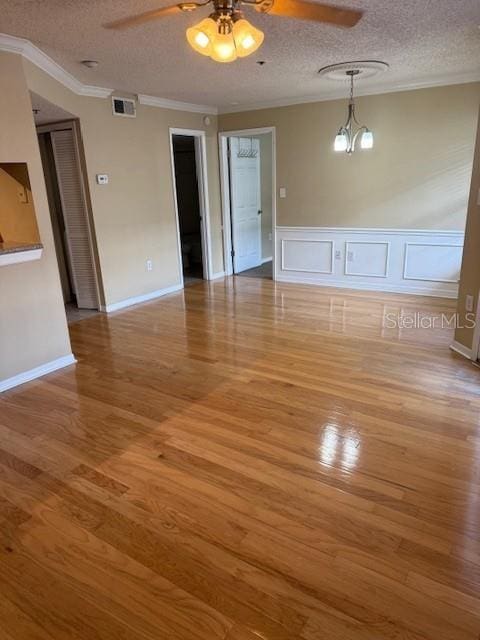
350	256
149	265
469	303
338	254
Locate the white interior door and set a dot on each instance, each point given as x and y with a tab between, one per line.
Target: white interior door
245	203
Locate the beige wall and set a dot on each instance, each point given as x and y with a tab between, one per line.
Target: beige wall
134	214
417	176
33	327
470	274
18	222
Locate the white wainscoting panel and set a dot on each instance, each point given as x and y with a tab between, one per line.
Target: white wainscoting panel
311	256
415	261
433	262
367	258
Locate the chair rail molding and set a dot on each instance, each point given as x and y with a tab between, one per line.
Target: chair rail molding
416	261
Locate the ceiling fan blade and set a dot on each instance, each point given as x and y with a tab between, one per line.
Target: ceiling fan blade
302	10
133	21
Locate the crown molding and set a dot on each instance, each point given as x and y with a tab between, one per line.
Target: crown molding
32	53
164	103
36	56
338	94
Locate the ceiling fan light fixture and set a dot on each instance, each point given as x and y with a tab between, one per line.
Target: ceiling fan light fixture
247	37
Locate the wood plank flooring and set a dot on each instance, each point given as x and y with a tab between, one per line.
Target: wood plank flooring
241	461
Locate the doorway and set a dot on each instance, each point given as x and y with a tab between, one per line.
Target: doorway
247	172
188	155
69	211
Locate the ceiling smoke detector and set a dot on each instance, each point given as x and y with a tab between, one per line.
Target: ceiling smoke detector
91	64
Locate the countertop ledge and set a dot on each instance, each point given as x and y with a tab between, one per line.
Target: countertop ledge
15	252
15	247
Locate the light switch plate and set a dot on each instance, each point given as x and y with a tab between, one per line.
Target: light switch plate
469	303
102	178
22	195
282	192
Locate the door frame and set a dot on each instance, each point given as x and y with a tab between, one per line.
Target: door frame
475	355
202	177
74	126
225	192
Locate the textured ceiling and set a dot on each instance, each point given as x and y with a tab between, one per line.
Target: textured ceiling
422	40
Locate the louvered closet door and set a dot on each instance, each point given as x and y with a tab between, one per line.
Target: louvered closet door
76	218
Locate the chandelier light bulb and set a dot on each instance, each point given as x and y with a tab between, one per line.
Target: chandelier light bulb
366	141
341	142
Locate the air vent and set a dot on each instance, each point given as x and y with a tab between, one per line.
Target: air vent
124	107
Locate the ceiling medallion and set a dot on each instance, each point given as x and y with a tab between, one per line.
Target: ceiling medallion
365	69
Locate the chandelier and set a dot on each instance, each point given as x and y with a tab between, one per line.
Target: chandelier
224	37
348	134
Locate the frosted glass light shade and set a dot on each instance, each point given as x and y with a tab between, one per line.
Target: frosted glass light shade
223	48
200	36
366	141
247	38
341	142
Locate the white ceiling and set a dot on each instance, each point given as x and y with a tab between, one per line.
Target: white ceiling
424	41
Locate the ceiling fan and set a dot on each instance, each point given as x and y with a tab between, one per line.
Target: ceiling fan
226	34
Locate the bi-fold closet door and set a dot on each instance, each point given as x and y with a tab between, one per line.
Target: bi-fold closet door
78	236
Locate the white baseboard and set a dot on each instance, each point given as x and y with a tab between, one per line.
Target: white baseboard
371	286
264	260
128	302
37	372
219	274
420	262
464	351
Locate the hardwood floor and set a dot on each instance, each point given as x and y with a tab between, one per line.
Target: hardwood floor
246	460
